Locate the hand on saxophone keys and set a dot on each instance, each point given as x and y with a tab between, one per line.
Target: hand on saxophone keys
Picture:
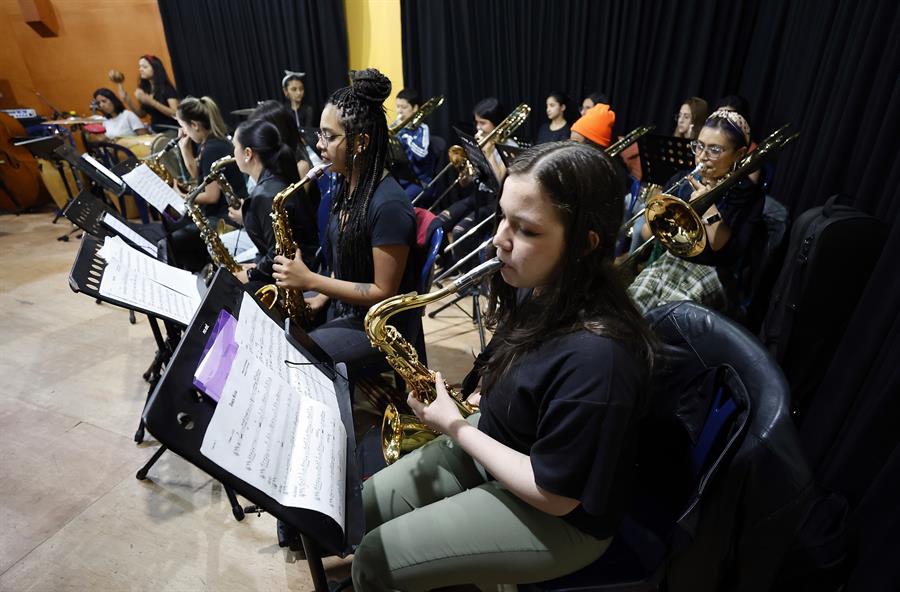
442	414
291	273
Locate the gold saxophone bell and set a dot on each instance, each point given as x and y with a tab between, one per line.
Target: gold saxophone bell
223	227
267	296
402	433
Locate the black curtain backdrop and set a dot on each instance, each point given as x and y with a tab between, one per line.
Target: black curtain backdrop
830	67
236	51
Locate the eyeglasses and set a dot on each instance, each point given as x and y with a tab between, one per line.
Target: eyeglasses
327	138
713	150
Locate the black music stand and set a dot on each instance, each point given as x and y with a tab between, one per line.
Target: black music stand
178	415
508	153
479	161
85	277
663	156
44	147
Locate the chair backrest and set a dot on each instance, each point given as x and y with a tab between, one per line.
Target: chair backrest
429	237
437	238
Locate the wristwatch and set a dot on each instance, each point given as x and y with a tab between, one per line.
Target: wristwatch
712	219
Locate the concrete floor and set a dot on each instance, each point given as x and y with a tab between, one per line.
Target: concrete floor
73	515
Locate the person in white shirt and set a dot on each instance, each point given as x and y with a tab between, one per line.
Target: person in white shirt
119	120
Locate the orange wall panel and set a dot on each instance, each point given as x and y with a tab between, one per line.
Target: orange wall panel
94	37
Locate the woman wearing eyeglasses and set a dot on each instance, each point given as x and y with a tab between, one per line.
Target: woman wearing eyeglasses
734	230
371	230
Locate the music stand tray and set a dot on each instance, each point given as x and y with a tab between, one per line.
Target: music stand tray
178	415
664	156
508	153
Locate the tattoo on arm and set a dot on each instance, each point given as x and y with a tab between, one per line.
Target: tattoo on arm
363	288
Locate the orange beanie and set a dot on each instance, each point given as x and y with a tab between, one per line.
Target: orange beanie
596	124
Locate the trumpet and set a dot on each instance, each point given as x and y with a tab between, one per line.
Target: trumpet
460	161
676	223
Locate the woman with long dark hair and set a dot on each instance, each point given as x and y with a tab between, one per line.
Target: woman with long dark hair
155	95
261	155
511	495
371	229
119	120
734	227
203	142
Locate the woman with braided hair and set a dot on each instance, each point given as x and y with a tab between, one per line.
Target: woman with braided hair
371	228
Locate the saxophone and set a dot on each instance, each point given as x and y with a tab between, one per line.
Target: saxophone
217	251
402	433
290	301
155	164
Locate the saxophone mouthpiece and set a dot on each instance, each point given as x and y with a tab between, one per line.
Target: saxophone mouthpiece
317	171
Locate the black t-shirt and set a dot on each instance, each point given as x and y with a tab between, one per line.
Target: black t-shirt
156	116
545	134
391	221
211	151
741	208
257	210
573	405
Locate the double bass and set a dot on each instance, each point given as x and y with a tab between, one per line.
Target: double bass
20	181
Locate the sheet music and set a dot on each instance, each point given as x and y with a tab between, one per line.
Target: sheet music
127	232
100	167
277	439
135	278
265	339
154	190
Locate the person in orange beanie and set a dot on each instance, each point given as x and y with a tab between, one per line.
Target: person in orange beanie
595	126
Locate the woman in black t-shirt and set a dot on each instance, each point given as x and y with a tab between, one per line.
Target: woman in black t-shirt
155	95
537	489
371	228
260	154
556	128
202	126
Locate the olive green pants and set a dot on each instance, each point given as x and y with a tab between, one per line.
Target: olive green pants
435	519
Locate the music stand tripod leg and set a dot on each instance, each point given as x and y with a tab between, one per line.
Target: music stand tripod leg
142	472
236	509
153	373
314	560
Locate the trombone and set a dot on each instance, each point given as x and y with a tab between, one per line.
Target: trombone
414	120
457	154
613	150
676	222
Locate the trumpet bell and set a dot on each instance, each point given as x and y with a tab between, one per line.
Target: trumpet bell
402	433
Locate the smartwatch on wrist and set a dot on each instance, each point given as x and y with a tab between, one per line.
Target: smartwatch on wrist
712	219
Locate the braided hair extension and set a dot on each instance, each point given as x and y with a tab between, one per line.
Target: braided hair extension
361	112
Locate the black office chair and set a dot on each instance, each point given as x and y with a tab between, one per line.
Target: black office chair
721	475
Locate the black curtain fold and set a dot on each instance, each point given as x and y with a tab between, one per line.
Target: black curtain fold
236	51
829	67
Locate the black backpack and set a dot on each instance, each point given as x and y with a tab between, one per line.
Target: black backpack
832	252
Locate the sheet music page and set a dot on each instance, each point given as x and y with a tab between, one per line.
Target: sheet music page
135	278
128	233
154	190
271	435
100	167
266	339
